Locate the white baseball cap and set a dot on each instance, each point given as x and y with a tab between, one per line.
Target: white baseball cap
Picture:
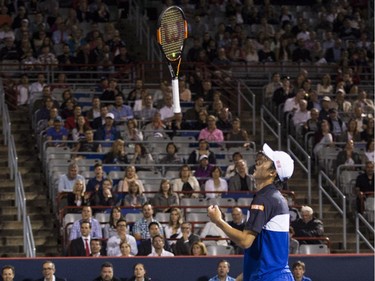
283	162
110	115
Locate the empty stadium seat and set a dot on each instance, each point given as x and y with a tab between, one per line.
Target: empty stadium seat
217	250
309	249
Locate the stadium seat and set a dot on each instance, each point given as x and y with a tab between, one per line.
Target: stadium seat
217	250
309	249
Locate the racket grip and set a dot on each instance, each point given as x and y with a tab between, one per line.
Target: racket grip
176	96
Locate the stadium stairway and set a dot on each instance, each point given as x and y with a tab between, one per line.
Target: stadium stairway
38	205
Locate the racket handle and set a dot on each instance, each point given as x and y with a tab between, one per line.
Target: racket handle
176	96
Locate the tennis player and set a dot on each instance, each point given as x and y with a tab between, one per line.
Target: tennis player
265	237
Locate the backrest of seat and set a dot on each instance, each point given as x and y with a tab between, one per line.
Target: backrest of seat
309	249
215	250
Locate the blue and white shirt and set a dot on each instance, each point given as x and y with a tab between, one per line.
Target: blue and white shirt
267	258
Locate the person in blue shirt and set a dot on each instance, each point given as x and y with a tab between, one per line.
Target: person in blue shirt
265	238
298	269
222	272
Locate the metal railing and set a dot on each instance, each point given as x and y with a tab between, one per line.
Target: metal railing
342	210
249	98
265	117
359	235
305	163
28	238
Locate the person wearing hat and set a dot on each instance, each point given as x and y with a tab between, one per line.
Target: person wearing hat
266	233
204	170
340	103
108	131
326	105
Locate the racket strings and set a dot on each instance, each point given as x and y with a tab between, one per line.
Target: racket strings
172	31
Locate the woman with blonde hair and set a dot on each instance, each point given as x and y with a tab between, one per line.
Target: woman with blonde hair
186	185
130	176
78	197
198	248
135	197
173	229
117	154
125	249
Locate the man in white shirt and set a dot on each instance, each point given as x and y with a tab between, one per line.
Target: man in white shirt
166	112
158	247
113	244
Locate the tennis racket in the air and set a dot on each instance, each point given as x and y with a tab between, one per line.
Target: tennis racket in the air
171	34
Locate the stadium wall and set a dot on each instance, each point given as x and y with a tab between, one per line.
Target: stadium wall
318	268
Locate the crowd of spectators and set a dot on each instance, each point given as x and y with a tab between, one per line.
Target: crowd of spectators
246	33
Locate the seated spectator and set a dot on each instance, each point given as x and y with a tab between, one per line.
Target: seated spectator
78	197
301	116
203	149
362	101
108	131
192	114
325	86
94	111
340	103
79	247
215	184
370	151
142	158
166	111
202	120
100	120
147	111
211	230
57	134
337	125
71	121
130	176
237	136
184	244
308	226
158	244
231	169
281	94
203	170
240	181
198	249
177	126
323	138
87	144
132	133
125	249
96	248
224	120
171	158
47	123
348	157
293	243
121	111
113	243
325	106
173	229
140	227
298	269
96	229
222	272
94	184
110	228
237	222
134	198
82	125
351	133
364	183
66	181
43	112
165	198
146	246
312	125
186	185
211	133
68	110
104	196
368	133
110	93
155	128
117	154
